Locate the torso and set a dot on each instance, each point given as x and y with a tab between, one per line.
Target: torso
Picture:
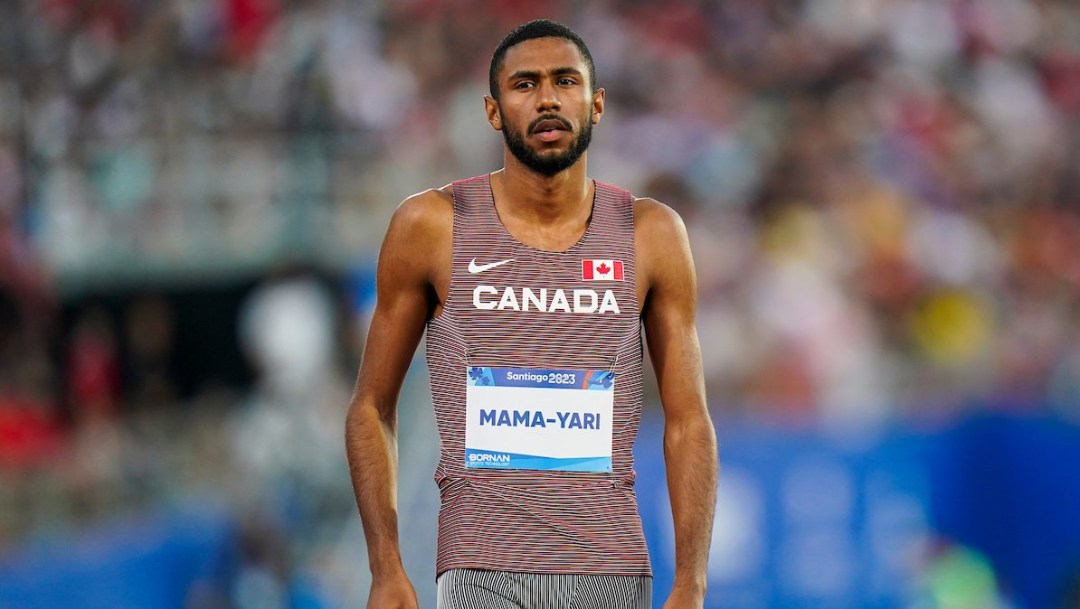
504	305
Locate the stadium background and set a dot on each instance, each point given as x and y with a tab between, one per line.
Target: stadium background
883	197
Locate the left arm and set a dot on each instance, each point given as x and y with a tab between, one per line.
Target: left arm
690	452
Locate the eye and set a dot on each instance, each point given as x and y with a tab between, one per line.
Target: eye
524	84
567	81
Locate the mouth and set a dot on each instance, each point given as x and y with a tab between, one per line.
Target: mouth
549	129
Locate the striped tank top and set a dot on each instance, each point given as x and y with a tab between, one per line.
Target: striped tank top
512	307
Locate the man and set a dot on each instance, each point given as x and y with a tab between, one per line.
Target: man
533	283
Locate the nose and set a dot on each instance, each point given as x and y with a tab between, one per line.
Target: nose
547	99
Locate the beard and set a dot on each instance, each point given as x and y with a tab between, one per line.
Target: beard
550	163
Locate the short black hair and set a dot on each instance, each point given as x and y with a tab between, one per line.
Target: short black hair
537	28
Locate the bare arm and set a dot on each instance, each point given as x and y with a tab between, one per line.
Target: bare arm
416	243
690	450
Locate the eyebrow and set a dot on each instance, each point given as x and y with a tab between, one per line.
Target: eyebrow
563	71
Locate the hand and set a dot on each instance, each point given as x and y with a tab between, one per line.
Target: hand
685	598
394	592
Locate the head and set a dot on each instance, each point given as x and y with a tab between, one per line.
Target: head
543	95
537	28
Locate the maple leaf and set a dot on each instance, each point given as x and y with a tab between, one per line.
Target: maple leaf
603	269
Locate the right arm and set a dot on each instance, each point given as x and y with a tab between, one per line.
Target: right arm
416	244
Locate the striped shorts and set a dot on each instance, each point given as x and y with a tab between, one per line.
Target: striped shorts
478	589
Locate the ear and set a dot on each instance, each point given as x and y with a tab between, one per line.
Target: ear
491	107
598	105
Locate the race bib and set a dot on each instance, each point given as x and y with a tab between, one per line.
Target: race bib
526	418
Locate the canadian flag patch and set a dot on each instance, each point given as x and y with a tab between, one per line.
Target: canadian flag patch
602	270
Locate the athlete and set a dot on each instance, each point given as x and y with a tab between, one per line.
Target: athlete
533	283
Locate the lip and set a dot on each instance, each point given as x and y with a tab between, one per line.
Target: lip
549	135
548	124
549	129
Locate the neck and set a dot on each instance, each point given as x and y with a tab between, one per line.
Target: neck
534	196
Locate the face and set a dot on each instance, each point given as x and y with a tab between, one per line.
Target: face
547	107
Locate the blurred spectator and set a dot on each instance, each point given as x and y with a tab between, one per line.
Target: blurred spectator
93	367
30	431
148	331
957	577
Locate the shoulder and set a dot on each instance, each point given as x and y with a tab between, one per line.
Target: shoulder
661	248
655	222
422	222
418	240
424	217
427	208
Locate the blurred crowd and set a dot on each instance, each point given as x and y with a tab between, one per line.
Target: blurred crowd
883	196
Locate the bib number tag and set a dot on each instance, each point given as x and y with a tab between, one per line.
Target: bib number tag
527	418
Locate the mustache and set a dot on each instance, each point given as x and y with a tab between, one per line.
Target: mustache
563	123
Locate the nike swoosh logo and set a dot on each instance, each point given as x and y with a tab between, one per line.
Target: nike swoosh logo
480	268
